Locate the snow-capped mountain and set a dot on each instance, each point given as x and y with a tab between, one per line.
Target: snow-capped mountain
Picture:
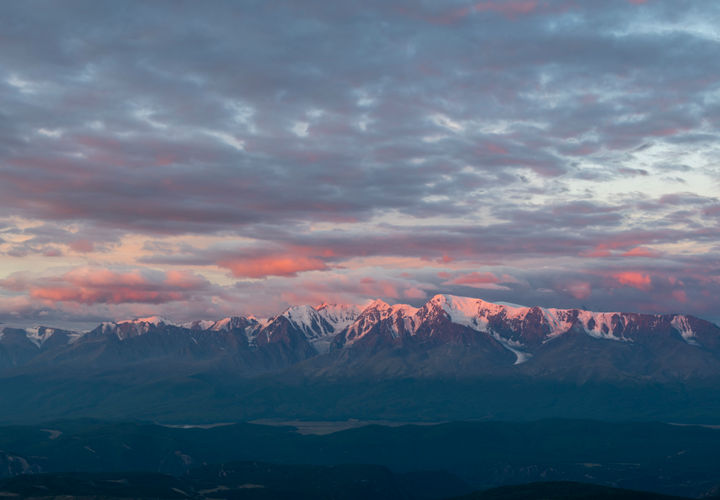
519	329
379	322
132	328
318	324
446	334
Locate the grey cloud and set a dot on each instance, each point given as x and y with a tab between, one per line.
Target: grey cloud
160	81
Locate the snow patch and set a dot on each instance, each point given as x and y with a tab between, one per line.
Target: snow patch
559	320
202	324
340	316
513	346
510	304
401	315
134	327
39	335
476	313
681	324
74	337
152	320
603	324
320	323
461	310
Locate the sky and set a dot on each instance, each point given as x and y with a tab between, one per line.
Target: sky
202	159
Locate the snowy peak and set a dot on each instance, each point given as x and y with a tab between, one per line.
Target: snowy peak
151	320
40	335
530	324
132	328
198	325
467	311
321	321
316	325
682	326
393	322
376	305
338	315
234	323
308	321
610	326
124	330
460	310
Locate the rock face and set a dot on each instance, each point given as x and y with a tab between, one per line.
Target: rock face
448	335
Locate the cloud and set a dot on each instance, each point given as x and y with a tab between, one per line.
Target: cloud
101	286
634	279
476	279
163	163
640	252
580	290
271	265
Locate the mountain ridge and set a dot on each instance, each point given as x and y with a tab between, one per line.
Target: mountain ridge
312	313
447	335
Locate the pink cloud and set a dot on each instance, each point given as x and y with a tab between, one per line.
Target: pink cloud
474	278
103	286
580	290
616	242
414	293
371	287
496	148
509	8
52	252
634	279
641	252
680	296
82	246
712	211
272	265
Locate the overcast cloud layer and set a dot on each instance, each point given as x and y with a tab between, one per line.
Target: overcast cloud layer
200	159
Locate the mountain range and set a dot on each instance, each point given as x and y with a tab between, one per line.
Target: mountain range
448	335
